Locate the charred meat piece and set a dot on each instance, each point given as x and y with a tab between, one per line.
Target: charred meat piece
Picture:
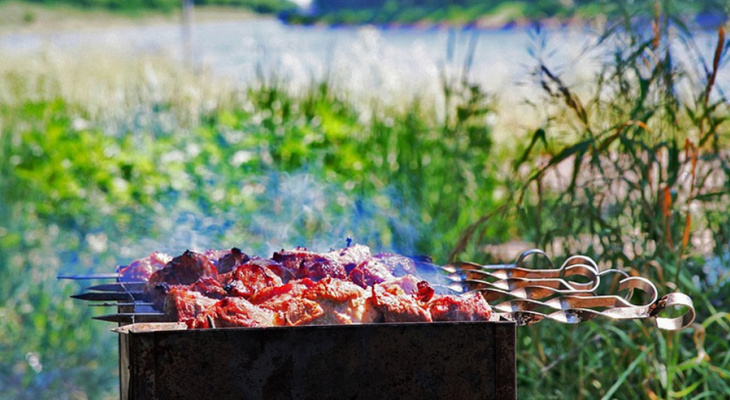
229	261
288	302
395	305
409	284
205	286
182	304
467	307
329	301
342	302
250	277
370	272
209	287
232	312
183	270
350	256
141	270
301	263
425	292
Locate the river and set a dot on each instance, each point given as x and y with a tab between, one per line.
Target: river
365	61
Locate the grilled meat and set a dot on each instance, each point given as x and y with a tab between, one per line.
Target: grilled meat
300	287
467	307
247	278
232	312
182	304
230	260
184	270
142	269
395	305
301	263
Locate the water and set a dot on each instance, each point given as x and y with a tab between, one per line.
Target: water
364	57
390	64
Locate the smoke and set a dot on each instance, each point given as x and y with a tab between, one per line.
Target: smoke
282	210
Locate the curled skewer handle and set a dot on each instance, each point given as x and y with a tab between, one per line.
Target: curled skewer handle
530	295
673	300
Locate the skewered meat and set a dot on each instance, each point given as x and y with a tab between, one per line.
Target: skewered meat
232	312
230	260
246	279
468	307
182	304
299	287
142	269
395	305
301	263
184	270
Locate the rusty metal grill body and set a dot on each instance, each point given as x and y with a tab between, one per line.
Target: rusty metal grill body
459	360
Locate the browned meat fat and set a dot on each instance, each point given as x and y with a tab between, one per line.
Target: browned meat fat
248	278
183	304
143	268
184	270
395	305
467	307
232	312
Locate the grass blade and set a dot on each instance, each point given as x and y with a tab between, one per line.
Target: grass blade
626	373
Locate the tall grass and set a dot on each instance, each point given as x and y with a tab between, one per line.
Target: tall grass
634	172
99	169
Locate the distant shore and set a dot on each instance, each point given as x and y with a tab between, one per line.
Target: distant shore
17	17
20	17
25	17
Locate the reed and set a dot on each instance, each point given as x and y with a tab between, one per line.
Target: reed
633	172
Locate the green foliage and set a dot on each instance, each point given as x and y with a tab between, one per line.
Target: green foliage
82	187
634	172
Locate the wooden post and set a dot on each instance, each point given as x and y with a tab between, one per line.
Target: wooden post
187	25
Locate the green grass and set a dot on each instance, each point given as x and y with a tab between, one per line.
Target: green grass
92	178
156	158
636	173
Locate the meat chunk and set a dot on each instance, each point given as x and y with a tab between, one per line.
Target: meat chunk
329	301
141	269
301	263
182	304
233	312
408	284
183	270
248	278
370	272
395	305
208	287
466	307
342	302
288	302
350	256
230	260
205	286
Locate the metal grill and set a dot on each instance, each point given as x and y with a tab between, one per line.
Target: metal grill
161	359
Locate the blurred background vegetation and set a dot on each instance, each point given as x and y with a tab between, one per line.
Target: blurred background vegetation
100	165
